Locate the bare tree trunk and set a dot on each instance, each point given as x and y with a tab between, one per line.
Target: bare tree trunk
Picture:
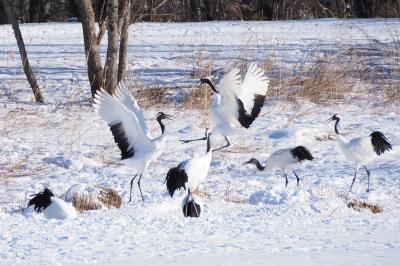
110	67
92	51
9	7
123	45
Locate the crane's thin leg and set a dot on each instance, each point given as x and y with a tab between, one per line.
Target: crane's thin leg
297	177
195	208
186	204
368	173
190	140
287	181
226	145
130	192
141	194
354	179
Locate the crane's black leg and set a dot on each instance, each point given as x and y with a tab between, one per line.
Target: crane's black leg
368	173
130	192
297	177
226	145
195	208
186	204
287	181
141	194
190	140
354	179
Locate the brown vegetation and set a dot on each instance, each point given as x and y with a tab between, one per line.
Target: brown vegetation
107	197
359	205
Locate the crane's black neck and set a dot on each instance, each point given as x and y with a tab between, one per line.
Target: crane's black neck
209	82
336	125
258	164
208	143
159	120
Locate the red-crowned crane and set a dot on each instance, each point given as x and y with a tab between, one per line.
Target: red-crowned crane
361	150
236	103
188	175
52	207
284	159
126	122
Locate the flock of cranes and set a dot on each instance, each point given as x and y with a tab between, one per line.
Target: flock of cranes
236	104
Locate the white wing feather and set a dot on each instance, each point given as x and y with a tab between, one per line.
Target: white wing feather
225	108
123	94
254	82
114	112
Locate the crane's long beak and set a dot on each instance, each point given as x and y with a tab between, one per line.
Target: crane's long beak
168	117
246	162
329	120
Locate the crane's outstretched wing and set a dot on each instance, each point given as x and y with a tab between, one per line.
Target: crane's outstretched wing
123	94
252	95
124	125
228	87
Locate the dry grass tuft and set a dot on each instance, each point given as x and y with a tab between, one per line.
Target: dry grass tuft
359	205
198	98
151	96
85	202
110	198
107	197
393	93
319	83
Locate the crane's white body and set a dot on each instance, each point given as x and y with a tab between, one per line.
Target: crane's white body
59	209
224	109
358	150
281	159
196	169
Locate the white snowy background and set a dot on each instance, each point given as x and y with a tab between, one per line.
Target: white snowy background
249	217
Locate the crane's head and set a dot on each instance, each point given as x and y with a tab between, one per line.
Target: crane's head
208	132
209	82
161	116
256	163
335	117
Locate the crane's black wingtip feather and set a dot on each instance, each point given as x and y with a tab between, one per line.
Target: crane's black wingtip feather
301	153
246	119
127	151
380	143
41	200
176	179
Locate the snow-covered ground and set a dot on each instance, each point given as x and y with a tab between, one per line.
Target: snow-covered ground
249	217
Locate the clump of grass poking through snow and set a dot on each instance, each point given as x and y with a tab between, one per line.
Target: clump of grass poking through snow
110	198
85	202
107	197
358	205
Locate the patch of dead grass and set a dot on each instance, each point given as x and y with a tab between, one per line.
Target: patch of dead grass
107	197
359	205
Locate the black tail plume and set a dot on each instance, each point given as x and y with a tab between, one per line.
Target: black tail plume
379	142
41	200
176	179
191	209
301	153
